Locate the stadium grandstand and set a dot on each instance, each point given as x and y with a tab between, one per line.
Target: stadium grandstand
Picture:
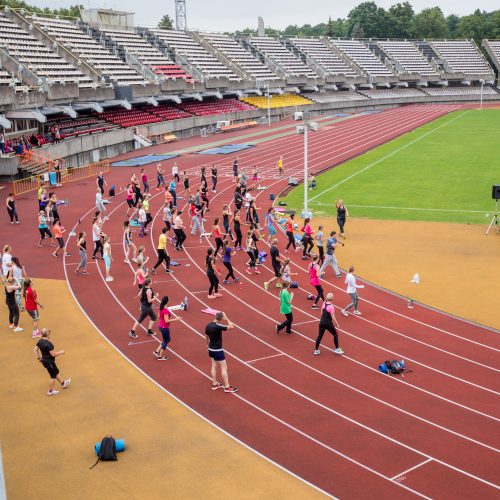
93	87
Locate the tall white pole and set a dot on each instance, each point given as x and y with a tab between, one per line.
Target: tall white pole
305	170
268	106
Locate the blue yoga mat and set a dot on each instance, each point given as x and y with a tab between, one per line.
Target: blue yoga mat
143	160
120	446
225	149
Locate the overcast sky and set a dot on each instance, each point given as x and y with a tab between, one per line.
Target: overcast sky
232	15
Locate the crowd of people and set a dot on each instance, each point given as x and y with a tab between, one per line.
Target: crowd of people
233	231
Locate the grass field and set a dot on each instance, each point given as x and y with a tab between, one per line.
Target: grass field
442	171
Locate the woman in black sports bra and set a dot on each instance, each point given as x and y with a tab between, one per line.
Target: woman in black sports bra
342	214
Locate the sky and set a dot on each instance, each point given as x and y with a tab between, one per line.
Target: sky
233	15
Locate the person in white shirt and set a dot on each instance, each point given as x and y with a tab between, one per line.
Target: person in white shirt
99	202
175	172
142	218
352	290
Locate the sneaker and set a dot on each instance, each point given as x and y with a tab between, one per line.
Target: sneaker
230	389
153	270
338	351
211	297
357	313
344	312
226	282
257	271
36	334
279	285
316	352
286	251
110	278
11	325
216	386
18	329
52	393
314	306
339	275
150	332
236	280
54	254
126	261
266	285
169	271
164	358
247	270
132	334
157	354
218	294
66	383
298	249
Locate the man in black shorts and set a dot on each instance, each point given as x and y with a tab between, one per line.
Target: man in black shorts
235	170
276	262
45	353
213	335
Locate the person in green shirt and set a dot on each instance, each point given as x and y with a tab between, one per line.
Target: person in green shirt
286	298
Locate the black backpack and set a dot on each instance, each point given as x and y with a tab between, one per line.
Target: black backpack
107	452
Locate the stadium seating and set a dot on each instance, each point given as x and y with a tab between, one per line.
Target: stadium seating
452	91
150	56
181	43
407	55
362	56
215	107
246	61
391	93
36	56
166	112
277	101
129	118
339	96
289	62
78	126
493	48
462	56
84	46
323	56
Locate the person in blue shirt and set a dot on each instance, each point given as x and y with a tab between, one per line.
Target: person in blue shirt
171	188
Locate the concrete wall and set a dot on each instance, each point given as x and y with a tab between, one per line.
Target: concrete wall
8	167
6	95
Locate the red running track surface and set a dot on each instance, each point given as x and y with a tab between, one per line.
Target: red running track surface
334	421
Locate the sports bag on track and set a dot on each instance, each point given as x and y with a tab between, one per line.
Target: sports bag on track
393	367
107	452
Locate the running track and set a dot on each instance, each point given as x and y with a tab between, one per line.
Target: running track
336	422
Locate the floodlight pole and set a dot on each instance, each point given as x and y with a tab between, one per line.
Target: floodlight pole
306	127
268	106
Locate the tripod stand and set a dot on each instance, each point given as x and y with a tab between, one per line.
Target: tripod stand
494	220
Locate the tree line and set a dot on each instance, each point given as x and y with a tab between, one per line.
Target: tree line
368	20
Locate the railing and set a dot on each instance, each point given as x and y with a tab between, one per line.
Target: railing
35	163
32	183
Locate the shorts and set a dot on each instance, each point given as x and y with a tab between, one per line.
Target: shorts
107	261
130	203
51	367
277	271
61	242
272	230
145	312
33	314
217	355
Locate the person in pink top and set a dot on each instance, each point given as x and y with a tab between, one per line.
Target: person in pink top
164	327
130	197
307	239
314	275
140	276
144	179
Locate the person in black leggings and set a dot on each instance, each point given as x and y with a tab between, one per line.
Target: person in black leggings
237	230
213	291
216	232
289	233
342	215
147	298
11	208
10	300
328	322
214	178
227	253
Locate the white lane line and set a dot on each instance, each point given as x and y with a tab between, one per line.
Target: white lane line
411	468
262	359
142	342
392	153
305	322
417	209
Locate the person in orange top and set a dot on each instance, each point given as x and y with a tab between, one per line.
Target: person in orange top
289	232
59	230
169	199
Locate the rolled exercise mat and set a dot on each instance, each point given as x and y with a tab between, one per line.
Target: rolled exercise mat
120	446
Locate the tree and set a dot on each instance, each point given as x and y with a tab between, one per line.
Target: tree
357	31
401	16
329	30
452	22
430	23
473	26
373	20
166	23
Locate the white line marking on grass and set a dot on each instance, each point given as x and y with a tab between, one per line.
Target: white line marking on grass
319	203
392	153
411	468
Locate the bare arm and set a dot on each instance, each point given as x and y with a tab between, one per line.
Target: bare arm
230	325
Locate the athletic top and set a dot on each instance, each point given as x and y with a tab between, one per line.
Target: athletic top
330	245
341	212
280	163
145	204
11	203
144	298
214	172
326	317
162	241
210	264
144	177
307	230
58	231
6	259
172	186
140	277
289	226
100	181
10	297
42	222
275	253
175	169
285	276
128	236
164	312
319	238
30	299
225	218
227	255
214	333
313	275
186	182
285	305
96	232
46	346
17	272
83	245
217	233
130	193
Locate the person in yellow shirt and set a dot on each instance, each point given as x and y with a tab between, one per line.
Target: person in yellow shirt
162	252
281	170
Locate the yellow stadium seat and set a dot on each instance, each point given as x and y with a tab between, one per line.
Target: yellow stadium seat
277	101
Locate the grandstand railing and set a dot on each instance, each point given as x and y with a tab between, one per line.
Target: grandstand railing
33	182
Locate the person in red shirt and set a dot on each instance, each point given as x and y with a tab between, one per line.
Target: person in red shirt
32	305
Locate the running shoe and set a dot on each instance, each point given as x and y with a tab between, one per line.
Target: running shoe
339	275
338	351
18	329
11	325
66	383
248	271
357	313
266	285
344	312
164	358
226	282
153	270
257	271
230	389
286	251
36	334
279	285
150	332
157	354
218	294
316	352
126	261
52	393
211	297
169	271
110	278
216	386
236	280
314	306
132	334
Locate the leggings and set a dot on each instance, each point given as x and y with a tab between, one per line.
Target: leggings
180	237
218	245
287	323
214	182
161	181
319	294
165	334
83	260
205	199
44	231
214	283
354	297
251	254
98	248
321	251
291	240
13	313
331	329
229	267
307	245
227	229
13	214
162	257
341	222
239	236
